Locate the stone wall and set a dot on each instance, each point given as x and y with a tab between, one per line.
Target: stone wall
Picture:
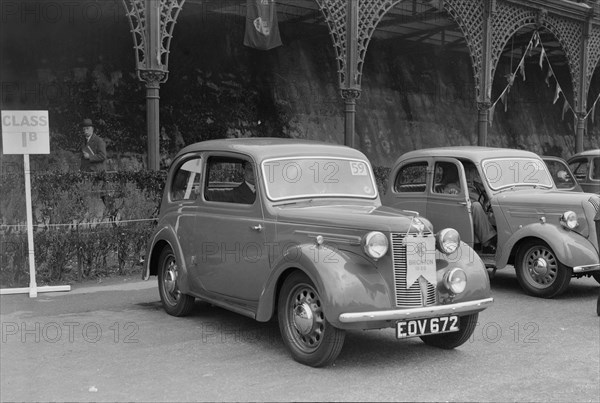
413	96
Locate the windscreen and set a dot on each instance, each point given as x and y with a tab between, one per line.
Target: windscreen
290	178
503	173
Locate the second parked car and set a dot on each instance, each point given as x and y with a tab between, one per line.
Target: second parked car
586	168
547	234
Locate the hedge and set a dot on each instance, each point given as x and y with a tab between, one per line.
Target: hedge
86	225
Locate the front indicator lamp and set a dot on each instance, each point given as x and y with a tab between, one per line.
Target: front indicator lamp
455	280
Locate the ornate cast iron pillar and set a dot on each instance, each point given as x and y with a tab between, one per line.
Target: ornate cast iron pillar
350	97
351	87
483	122
351	25
153	80
583	85
579	131
152	23
485	79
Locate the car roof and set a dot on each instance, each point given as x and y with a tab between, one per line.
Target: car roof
261	148
595	153
552	157
474	153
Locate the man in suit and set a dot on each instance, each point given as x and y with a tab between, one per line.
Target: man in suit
246	192
93	150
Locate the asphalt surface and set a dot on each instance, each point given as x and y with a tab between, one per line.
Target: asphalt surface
113	342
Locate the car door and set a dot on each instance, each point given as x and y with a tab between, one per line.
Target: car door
409	185
182	202
449	210
231	246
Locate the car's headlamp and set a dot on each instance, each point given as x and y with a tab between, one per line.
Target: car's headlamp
455	280
569	220
375	244
448	240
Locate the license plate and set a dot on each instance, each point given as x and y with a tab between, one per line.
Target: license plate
427	326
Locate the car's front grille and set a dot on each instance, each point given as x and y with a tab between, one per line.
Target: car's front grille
412	296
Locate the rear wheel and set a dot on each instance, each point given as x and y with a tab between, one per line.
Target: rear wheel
452	340
539	272
311	339
174	302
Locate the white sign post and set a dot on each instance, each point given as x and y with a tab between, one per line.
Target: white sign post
27	132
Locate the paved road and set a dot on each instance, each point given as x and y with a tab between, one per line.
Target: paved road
113	342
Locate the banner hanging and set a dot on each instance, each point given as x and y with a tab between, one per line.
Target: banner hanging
262	29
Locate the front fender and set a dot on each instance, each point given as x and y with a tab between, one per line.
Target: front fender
165	236
345	280
571	248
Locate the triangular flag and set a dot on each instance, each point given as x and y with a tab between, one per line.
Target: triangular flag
542	55
511	80
557	93
491	114
547	80
503	99
522	68
565	107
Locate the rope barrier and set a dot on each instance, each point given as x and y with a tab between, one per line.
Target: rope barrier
81	224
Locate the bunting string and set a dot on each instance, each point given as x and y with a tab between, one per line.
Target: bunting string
534	43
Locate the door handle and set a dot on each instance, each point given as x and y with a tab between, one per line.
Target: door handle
258	227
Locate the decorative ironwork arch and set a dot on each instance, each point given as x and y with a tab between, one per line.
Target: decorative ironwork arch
137	15
594	56
469	16
370	14
569	33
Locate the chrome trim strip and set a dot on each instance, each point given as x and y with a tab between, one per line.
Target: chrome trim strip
335	238
414	313
586	268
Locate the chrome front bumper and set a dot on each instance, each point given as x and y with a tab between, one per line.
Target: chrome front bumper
586	269
414	313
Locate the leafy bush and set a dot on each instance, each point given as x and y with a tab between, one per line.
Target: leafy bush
85	224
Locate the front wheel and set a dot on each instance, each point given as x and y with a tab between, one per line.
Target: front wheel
174	302
448	341
539	272
311	339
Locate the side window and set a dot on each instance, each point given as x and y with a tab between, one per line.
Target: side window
445	179
230	180
186	182
412	178
596	169
580	169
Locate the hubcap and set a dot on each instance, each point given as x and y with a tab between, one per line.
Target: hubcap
541	267
170	281
303	319
306	317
